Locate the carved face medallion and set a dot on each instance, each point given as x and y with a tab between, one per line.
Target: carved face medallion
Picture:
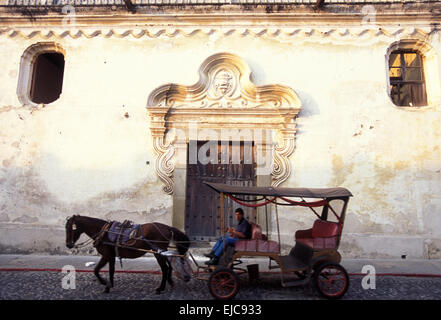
223	82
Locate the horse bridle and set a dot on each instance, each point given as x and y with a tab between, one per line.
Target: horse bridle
88	241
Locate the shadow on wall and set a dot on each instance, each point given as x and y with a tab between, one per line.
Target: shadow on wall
309	105
32	217
49	191
77	182
309	109
257	72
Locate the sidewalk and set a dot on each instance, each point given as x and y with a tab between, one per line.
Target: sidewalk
148	263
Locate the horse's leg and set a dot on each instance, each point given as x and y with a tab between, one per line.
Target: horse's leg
170	272
111	273
99	266
164	270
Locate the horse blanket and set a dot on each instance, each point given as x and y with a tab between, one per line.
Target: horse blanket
123	232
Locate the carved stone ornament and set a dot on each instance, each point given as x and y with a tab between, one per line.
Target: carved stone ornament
223	98
223	82
164	162
330	34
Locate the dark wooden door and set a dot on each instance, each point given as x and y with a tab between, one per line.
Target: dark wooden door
234	164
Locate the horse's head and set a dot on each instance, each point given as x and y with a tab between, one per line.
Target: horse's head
73	231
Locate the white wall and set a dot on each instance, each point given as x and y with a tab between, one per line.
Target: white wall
83	155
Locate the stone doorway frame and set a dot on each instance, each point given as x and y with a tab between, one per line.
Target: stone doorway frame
224	99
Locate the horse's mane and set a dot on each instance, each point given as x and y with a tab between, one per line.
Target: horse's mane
92	219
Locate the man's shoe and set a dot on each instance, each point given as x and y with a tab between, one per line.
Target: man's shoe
209	255
213	261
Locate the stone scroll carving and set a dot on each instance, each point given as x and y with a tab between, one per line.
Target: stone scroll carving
223	98
281	169
164	162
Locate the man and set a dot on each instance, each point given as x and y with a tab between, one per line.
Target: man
243	231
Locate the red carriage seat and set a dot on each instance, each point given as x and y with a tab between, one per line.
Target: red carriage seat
258	243
322	235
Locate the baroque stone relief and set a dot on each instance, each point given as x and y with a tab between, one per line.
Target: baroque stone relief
343	34
224	97
223	83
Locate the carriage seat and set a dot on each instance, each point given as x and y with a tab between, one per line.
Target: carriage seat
322	235
258	242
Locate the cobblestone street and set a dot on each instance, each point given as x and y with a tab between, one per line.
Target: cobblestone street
18	285
39	277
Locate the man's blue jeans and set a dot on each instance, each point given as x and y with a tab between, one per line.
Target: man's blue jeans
218	247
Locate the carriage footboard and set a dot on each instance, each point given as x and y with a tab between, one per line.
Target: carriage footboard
299	258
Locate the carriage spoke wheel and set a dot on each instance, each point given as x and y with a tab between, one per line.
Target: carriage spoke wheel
331	280
223	284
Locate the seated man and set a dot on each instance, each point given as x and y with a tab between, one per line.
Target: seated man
243	231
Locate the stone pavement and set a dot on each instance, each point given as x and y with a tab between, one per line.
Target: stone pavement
40	278
353	266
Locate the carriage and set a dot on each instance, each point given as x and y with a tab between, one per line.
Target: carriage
314	261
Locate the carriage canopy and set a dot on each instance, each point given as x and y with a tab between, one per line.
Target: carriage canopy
319	193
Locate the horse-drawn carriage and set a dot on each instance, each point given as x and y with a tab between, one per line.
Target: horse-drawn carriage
314	260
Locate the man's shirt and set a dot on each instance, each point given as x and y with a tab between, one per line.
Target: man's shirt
245	228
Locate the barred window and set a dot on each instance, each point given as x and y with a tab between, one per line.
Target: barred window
407	87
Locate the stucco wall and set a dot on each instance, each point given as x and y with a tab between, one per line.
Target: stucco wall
87	152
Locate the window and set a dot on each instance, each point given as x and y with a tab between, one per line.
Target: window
41	74
407	87
47	77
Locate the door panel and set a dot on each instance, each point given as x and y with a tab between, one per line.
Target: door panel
236	166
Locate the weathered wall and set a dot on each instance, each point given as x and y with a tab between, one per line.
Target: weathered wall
86	153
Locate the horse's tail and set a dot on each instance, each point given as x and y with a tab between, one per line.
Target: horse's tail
181	240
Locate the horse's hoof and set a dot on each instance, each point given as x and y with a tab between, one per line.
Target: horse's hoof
106	290
158	291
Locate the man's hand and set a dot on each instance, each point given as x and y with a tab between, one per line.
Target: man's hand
235	233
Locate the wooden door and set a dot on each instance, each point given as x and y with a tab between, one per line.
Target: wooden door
234	164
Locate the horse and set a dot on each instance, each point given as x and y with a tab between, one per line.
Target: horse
152	236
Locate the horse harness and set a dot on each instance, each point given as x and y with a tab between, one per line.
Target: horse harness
124	235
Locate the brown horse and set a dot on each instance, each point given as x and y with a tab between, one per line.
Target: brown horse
152	236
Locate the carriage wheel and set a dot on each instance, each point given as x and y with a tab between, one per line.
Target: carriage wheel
223	284
331	280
